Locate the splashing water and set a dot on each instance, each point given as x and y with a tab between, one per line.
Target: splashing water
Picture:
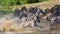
8	23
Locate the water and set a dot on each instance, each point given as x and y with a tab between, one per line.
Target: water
8	22
13	25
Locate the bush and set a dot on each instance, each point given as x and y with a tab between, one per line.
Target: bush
19	2
4	11
33	1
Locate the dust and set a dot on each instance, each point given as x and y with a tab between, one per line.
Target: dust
10	23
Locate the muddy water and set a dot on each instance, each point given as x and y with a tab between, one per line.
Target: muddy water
12	25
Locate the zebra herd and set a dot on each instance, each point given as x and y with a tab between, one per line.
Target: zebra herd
35	14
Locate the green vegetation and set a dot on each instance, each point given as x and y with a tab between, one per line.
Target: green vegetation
5	4
5	10
19	2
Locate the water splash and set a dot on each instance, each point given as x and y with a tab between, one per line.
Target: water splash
8	23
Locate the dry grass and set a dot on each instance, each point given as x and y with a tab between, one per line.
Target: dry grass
42	5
